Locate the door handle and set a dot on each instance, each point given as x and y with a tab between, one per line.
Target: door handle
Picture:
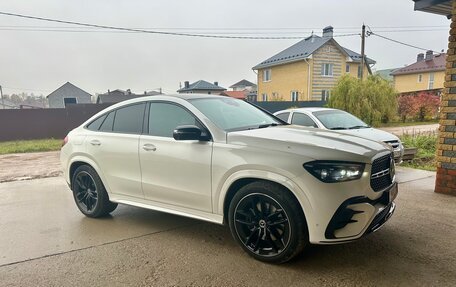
149	147
95	142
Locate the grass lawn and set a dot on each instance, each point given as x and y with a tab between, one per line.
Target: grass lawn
425	156
30	146
406	124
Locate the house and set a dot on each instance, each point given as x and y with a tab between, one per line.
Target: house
68	94
244	85
426	74
116	96
201	87
308	70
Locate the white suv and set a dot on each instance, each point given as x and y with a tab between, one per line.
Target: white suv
278	187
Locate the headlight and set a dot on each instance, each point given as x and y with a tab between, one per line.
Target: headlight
334	171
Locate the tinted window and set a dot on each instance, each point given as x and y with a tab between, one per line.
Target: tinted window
164	118
95	125
302	120
283	116
106	126
129	119
339	120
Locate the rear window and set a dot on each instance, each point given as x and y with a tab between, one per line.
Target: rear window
106	126
129	119
95	125
283	116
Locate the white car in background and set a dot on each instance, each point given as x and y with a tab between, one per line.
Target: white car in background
341	121
277	186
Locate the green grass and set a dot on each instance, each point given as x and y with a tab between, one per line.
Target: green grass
29	146
406	124
426	153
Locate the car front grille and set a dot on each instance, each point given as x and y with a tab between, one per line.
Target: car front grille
382	172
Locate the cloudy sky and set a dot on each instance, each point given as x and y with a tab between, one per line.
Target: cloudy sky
33	60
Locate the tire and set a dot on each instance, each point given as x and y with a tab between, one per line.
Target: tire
90	194
268	222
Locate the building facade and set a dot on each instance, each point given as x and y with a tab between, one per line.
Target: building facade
308	70
426	74
68	94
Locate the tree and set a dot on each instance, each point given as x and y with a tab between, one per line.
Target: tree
420	106
373	100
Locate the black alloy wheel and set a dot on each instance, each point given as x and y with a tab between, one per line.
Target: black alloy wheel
86	191
268	222
89	193
262	224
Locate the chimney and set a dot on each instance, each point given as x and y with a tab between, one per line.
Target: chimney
328	31
128	92
420	57
429	55
216	83
186	84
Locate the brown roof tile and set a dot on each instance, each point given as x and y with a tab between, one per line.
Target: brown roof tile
436	64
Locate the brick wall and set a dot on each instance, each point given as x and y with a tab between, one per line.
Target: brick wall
446	150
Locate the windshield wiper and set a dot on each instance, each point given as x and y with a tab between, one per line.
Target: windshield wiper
338	128
358	127
268	125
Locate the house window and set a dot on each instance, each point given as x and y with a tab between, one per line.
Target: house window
431	81
327	69
325	94
69	101
264	97
359	71
420	78
266	75
294	96
347	68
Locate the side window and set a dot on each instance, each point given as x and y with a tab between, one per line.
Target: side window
302	120
106	126
95	125
129	119
164	118
283	116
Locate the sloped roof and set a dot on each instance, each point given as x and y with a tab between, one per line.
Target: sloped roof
69	87
235	94
243	83
201	85
438	63
303	49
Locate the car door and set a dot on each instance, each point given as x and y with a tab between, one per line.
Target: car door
114	147
174	172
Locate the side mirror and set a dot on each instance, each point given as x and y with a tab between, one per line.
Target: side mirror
189	132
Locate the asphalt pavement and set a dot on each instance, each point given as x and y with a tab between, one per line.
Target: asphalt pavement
46	241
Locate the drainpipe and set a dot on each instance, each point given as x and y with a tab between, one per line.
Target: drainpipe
308	79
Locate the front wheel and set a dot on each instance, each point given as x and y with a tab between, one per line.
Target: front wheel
89	193
268	222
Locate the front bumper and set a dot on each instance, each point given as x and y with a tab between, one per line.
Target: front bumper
359	216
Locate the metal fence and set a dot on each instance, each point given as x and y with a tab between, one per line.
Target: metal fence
25	124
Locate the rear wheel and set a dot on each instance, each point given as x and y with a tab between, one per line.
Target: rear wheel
268	222
90	194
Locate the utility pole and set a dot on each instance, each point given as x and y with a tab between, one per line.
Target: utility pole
363	38
1	94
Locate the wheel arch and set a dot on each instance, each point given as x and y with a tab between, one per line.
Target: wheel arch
78	161
238	180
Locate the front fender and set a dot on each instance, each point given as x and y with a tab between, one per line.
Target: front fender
299	193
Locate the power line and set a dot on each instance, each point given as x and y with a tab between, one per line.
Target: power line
402	43
147	31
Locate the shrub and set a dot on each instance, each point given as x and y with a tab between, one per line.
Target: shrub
373	100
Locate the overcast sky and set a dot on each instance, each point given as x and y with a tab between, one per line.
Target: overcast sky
39	62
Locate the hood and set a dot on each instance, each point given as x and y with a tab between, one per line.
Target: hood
372	134
314	143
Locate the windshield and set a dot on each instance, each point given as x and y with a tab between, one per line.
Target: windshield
232	115
339	120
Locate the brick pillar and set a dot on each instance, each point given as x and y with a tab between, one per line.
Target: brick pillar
446	149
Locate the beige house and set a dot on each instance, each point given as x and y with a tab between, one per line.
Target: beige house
308	70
